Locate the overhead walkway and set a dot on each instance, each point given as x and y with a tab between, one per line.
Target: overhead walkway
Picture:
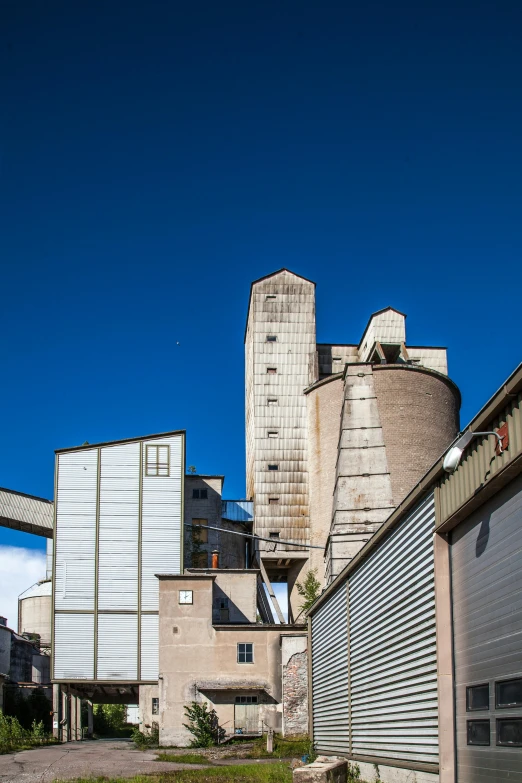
26	513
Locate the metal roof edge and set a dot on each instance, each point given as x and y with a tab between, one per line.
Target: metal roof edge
25	495
123	440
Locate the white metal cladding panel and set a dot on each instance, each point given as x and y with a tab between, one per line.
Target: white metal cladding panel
330	674
117	647
76	529
119	527
393	668
161	522
74	646
149	646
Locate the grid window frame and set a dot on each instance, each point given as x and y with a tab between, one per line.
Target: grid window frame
200	494
245	651
508	719
469	697
247	700
504	705
154	466
482	722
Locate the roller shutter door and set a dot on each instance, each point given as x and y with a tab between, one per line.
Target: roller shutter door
486	573
330	674
393	668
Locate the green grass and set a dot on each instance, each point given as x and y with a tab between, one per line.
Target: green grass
183	758
241	773
283	748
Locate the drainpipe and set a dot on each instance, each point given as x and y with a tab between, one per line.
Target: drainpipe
215	558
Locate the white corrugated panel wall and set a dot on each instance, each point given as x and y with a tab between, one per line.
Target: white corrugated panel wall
76	529
117	647
330	674
119	527
74	647
161	522
393	668
149	646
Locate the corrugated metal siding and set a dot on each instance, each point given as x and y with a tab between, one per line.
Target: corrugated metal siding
480	464
149	646
118	527
117	647
161	523
393	669
74	647
27	513
330	674
76	529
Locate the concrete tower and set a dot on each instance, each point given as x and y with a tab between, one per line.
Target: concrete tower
280	349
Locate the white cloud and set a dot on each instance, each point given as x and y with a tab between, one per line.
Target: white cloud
20	568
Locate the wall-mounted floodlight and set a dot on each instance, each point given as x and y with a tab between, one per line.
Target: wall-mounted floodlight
454	455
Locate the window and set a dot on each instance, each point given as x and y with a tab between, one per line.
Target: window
155	706
271	370
478	732
477	697
336	359
273	467
509	732
200	534
245	652
509	693
199	494
271	338
273	534
272	434
157	460
273	501
270	297
185	596
199	559
246	699
272	401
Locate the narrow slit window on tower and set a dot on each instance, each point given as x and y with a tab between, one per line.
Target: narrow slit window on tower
336	359
273	434
273	501
272	401
273	466
157	460
273	534
271	370
270	297
271	338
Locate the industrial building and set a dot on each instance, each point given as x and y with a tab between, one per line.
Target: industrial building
415	646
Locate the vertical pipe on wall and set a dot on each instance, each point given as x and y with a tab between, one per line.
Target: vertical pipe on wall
445	678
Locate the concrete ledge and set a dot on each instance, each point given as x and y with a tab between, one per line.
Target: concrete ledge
325	769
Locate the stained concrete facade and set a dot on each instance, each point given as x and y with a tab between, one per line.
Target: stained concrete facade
198	658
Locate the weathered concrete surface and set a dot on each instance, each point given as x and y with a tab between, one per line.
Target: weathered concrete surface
323	770
82	759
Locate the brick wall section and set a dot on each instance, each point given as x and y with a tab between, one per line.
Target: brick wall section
295	695
419	412
324	408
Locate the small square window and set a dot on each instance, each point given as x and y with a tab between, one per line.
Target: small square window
155	706
273	434
199	533
477	697
478	732
273	501
270	297
199	494
271	370
336	359
271	338
157	460
245	652
272	401
509	732
509	693
272	466
246	699
273	534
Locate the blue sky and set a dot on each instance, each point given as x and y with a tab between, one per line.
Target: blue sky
155	157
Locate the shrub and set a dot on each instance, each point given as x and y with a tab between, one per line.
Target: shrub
144	741
203	725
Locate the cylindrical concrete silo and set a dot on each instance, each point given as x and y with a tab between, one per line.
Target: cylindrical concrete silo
35	610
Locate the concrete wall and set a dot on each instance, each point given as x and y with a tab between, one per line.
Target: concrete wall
198	660
147	693
419	412
294	667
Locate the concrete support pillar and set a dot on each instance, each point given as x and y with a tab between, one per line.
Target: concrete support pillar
57	703
90	720
64	716
79	732
445	682
73	721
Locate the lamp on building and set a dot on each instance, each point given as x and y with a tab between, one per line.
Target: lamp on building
454	455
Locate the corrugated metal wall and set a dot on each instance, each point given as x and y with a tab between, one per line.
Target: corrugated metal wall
393	668
374	671
330	674
104	499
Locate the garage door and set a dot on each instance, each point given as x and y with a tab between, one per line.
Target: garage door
486	558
